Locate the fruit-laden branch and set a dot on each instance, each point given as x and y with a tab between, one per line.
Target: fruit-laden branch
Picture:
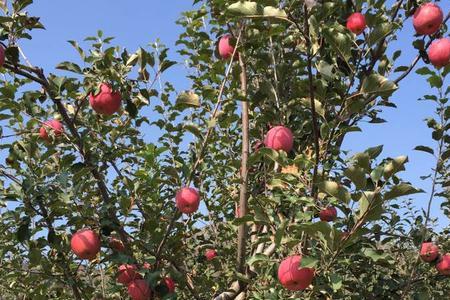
201	153
243	196
37	75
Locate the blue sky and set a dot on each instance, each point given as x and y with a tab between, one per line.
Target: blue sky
138	22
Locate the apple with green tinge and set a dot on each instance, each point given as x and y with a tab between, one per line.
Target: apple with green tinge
187	200
429	252
85	243
128	273
279	138
107	101
439	52
170	284
356	23
139	290
292	276
443	265
225	48
328	214
428	19
52	125
210	254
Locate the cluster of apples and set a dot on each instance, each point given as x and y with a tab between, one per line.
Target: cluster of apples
86	244
427	20
429	253
106	102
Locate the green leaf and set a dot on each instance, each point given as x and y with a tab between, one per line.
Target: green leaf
424	149
379	32
280	232
336	190
400	190
318	105
245	8
270	11
357	176
187	99
378	85
258	258
69	66
309	262
336	282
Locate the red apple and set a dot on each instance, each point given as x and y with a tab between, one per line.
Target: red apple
225	47
328	214
116	244
85	243
428	18
139	290
170	284
51	125
147	266
187	200
2	55
429	252
439	52
279	138
292	277
443	266
107	101
127	273
356	23
210	254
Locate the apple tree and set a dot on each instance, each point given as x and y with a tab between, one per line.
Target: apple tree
245	190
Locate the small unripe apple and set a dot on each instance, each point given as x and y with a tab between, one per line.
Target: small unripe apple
147	266
328	214
51	125
116	244
439	52
279	138
429	252
428	18
127	273
210	254
85	243
2	55
356	23
187	200
443	266
292	277
170	284
139	290
226	49
107	101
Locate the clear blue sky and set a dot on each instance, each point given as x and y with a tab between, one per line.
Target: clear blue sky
136	23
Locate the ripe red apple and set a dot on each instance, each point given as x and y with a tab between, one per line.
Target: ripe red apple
279	138
2	55
292	277
85	243
116	244
127	273
139	290
210	254
107	101
429	252
225	47
51	125
170	284
428	18
439	52
187	200
443	266
356	23
328	214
